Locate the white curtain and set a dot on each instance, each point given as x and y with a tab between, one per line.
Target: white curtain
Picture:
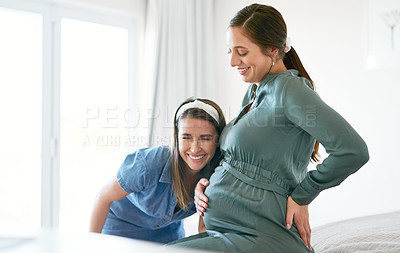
178	60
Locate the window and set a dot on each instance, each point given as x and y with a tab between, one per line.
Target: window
21	118
94	97
67	78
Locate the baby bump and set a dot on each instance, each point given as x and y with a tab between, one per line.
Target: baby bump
231	203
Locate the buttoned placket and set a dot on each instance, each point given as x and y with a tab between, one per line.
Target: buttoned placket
170	212
247	107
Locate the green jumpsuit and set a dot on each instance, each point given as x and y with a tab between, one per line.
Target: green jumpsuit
266	154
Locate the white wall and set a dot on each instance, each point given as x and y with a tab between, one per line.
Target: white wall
330	38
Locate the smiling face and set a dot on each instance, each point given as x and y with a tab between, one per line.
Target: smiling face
252	64
198	141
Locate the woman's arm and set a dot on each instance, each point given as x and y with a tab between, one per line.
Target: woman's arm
112	191
347	150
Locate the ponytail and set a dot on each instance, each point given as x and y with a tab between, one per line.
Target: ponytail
292	61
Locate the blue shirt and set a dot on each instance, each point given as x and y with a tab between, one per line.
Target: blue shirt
149	212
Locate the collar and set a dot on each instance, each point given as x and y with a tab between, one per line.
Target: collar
272	75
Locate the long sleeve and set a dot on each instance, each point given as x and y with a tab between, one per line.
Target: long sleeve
347	150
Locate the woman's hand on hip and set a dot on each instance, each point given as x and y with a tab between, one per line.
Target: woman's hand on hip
299	214
200	200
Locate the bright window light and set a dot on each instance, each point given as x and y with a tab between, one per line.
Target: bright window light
21	120
94	102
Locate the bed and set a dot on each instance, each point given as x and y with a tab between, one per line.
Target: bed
376	233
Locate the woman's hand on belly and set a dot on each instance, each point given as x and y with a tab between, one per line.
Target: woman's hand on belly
200	200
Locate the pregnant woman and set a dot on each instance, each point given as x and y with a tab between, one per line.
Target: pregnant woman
263	184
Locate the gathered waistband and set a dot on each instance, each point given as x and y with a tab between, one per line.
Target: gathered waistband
256	176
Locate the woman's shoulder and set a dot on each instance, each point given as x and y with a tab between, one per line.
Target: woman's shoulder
280	84
158	152
152	158
291	77
142	169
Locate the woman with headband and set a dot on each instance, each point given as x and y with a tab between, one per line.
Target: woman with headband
153	189
263	184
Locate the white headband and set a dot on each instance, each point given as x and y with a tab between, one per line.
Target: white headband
201	105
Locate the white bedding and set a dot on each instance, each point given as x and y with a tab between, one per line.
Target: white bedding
377	233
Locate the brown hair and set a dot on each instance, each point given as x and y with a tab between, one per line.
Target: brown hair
265	27
177	163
